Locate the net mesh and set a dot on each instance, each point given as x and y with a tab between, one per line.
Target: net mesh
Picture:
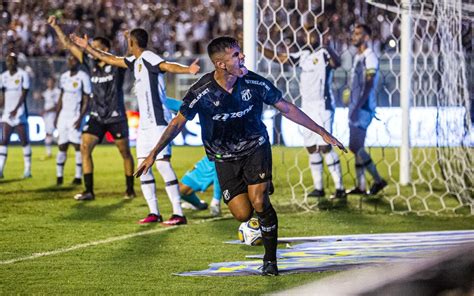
441	154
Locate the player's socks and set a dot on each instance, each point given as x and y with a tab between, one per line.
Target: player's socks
334	167
360	174
369	165
269	227
89	182
192	199
78	165
316	166
27	160
149	192
3	158
129	183
47	144
171	185
60	161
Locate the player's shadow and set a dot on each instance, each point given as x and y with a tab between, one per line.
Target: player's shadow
7	181
86	210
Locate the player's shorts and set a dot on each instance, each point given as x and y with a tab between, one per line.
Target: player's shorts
67	133
201	176
323	117
147	140
19	118
118	130
49	122
235	176
363	120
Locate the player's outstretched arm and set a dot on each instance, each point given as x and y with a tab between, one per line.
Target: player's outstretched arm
65	41
97	53
84	106
180	69
294	114
175	126
271	54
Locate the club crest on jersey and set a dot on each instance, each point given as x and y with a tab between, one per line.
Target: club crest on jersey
75	84
139	67
246	95
108	68
315	61
17	81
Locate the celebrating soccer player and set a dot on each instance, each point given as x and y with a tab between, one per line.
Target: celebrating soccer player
362	108
148	69
317	100
15	84
107	112
229	102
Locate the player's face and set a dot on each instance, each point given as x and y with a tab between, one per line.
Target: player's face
358	37
11	63
97	44
50	83
233	61
72	63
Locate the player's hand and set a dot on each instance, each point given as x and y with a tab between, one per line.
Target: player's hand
194	67
145	166
330	139
81	42
13	113
77	124
52	21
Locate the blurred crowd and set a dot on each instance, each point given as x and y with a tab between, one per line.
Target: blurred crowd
183	27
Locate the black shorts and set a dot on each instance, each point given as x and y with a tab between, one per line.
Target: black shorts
118	130
235	176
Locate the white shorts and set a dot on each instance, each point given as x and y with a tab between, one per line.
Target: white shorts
20	118
147	139
322	117
49	122
67	133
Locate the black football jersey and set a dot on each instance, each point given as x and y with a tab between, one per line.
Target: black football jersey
231	123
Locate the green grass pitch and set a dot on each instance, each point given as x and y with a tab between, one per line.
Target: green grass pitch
36	216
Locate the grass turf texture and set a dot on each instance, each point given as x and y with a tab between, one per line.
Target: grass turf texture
36	216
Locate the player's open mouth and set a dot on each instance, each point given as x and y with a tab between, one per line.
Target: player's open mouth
243	69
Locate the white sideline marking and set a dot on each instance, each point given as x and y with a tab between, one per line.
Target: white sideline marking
104	241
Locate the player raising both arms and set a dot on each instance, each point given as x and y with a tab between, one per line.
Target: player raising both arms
229	102
148	69
14	84
107	112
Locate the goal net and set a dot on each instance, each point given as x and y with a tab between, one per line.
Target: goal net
440	123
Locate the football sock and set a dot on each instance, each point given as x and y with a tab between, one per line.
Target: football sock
60	162
89	182
149	190
27	159
316	166
217	195
3	158
192	199
47	143
269	227
360	174
369	165
78	164
129	182
171	185
334	167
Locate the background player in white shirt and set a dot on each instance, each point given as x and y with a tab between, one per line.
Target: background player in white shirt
72	106
51	98
317	101
15	84
148	69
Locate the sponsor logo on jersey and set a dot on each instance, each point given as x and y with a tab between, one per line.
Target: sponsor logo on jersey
97	79
238	114
199	96
108	69
216	103
262	175
257	82
246	95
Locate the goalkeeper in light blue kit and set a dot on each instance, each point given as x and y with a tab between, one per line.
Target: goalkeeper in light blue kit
198	179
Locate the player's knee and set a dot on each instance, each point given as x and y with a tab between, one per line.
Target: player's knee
77	147
62	147
354	147
325	148
243	216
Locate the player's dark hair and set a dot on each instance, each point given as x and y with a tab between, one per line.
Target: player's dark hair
140	36
219	44
104	41
367	30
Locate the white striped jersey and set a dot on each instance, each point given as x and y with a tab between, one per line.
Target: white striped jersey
149	88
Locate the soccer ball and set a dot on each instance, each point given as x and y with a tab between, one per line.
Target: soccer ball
249	233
